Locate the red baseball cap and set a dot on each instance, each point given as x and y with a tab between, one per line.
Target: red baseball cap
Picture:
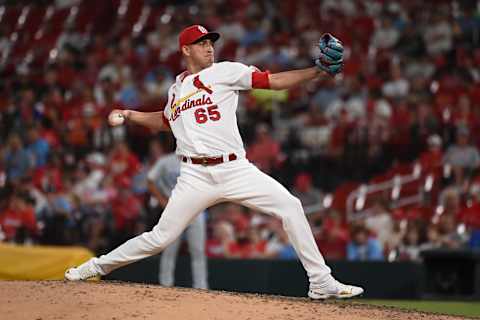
195	33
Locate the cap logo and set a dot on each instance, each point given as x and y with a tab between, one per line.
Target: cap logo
202	29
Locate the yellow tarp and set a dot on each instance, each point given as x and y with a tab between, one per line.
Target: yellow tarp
39	262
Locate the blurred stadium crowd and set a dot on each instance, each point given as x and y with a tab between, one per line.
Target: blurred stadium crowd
408	100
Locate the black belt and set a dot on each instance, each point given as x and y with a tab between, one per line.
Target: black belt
209	161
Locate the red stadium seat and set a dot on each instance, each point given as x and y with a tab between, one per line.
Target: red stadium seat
58	18
10	18
85	16
155	14
341	194
34	19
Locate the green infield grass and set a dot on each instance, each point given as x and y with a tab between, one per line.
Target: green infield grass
468	309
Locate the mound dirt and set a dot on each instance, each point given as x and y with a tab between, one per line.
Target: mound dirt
45	300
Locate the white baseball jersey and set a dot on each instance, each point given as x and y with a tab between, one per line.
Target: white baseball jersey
201	108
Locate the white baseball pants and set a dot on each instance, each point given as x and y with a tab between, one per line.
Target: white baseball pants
199	187
196	237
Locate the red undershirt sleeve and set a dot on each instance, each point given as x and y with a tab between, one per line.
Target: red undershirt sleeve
260	80
165	121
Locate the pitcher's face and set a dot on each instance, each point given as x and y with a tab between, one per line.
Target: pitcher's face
201	53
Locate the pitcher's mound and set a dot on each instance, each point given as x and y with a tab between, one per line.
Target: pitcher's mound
103	300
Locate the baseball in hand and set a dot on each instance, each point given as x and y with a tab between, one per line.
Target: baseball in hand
116	118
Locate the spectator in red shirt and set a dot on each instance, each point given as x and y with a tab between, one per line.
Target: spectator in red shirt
470	214
305	191
49	178
249	245
332	237
123	162
433	157
223	236
126	211
264	152
18	221
340	133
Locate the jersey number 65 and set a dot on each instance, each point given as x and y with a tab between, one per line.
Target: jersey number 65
202	115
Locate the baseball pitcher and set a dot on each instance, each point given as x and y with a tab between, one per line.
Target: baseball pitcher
201	114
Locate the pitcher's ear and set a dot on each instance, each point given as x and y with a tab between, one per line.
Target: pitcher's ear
186	50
